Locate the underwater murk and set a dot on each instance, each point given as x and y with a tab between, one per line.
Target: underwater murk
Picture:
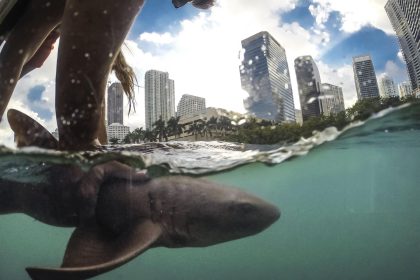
350	204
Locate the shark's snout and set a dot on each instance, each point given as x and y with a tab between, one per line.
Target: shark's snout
257	214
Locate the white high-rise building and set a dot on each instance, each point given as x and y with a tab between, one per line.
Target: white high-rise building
405	19
387	87
190	104
117	130
405	89
159	97
331	99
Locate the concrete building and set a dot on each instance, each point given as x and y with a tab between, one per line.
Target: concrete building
190	104
115	111
405	89
208	113
387	87
404	16
159	97
309	86
117	130
332	100
365	77
298	114
265	76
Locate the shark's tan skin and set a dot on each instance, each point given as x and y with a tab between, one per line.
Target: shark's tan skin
129	216
29	132
132	217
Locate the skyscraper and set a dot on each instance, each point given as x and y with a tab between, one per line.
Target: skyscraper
404	16
405	89
387	87
265	76
309	85
332	100
190	104
115	104
365	77
159	97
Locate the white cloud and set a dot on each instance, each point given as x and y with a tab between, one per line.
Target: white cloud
203	56
156	38
396	72
401	56
355	14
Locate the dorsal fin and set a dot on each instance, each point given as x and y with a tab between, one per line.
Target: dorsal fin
28	132
93	250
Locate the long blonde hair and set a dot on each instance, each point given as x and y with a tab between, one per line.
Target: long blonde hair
125	74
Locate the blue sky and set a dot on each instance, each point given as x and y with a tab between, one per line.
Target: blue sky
200	49
343	46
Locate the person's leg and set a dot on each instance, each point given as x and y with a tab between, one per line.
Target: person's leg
40	18
92	34
44	51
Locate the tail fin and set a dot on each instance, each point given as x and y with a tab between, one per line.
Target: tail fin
29	132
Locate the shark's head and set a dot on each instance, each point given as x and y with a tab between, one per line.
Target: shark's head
223	214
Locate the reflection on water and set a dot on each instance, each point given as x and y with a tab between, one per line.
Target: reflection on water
350	209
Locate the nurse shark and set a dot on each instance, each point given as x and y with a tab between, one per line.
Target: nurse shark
129	217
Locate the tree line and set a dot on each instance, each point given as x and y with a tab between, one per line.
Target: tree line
162	131
255	131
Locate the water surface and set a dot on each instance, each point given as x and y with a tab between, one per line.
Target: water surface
350	206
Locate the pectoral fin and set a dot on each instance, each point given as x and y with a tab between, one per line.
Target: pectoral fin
29	132
92	251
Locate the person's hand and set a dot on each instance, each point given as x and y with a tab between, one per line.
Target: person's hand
91	182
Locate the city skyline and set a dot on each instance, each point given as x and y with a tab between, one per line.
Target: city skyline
182	42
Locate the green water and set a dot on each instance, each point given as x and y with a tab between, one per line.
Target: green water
350	210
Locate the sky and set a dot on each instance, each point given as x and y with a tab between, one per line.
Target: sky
200	50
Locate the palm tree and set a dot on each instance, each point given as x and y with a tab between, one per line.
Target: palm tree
174	127
212	125
160	129
114	141
138	135
195	128
224	124
149	135
128	139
